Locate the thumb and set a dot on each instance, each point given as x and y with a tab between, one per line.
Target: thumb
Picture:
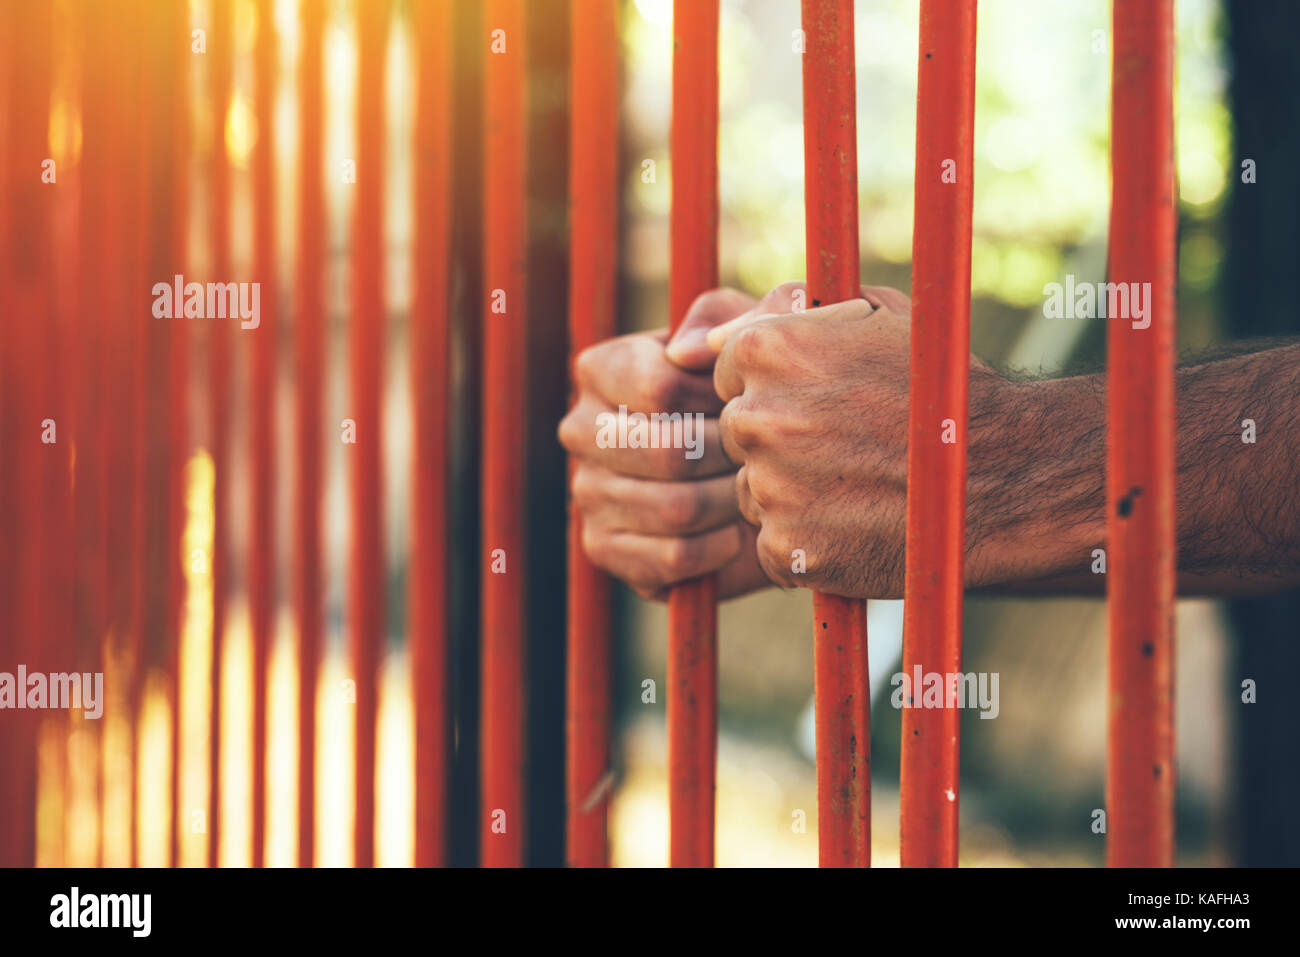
688	347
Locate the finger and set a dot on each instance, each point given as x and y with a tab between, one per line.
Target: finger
689	347
647	446
624	503
734	444
634	371
745	500
779	301
883	297
650	563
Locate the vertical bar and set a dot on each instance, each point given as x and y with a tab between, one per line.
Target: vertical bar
309	355
10	558
693	269
936	470
87	345
367	351
115	186
219	361
135	332
842	693
26	399
262	354
593	276
1140	456
504	413
430	378
174	77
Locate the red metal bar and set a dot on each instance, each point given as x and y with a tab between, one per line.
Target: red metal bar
1140	456
262	355
26	398
693	269
842	693
174	79
593	279
107	160
367	354
936	470
219	372
430	378
309	354
135	335
504	414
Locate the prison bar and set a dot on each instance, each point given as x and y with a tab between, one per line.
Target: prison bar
841	691
11	821
593	278
693	269
430	345
504	414
134	332
262	371
221	65
173	76
1140	451
366	348
105	68
86	345
309	353
25	401
937	416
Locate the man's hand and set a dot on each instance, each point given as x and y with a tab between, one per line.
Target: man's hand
652	516
817	418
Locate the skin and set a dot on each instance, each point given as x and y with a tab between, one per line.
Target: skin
805	447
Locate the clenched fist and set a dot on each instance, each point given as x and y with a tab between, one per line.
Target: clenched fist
658	510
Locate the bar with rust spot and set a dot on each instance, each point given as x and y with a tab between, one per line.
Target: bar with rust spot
1140	451
936	469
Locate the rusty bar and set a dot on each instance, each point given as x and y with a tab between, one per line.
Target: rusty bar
262	365
136	333
1140	456
86	344
106	77
27	399
936	458
309	337
366	346
430	378
173	76
221	63
593	280
9	418
842	693
504	413
693	269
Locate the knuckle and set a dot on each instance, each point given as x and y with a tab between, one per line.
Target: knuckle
749	507
749	345
670	462
678	558
657	390
775	555
595	544
742	424
585	488
680	509
570	432
588	363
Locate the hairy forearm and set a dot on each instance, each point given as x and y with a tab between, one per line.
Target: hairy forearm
1037	479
